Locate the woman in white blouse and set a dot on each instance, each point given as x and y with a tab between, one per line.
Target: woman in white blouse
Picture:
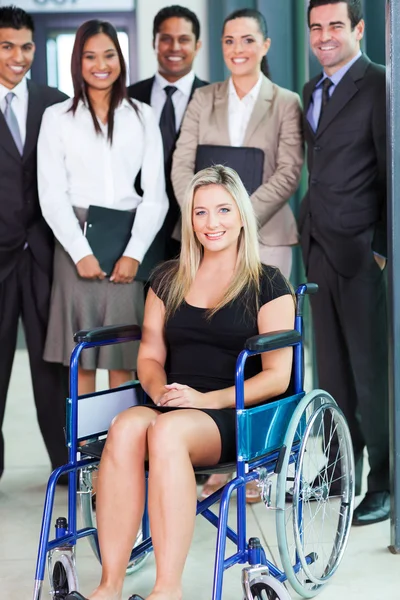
90	151
249	110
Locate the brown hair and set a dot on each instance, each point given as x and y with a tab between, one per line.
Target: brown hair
86	31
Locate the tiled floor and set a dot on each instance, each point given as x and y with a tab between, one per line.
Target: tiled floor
368	571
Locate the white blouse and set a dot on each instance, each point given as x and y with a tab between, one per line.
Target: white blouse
239	111
78	167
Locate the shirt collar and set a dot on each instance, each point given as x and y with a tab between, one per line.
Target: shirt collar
184	84
338	76
251	95
20	90
82	105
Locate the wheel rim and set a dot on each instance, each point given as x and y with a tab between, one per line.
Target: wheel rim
60	581
313	530
316	500
87	494
268	588
62	572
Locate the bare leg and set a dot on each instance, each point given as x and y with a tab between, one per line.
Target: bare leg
86	381
117	378
213	483
120	493
176	440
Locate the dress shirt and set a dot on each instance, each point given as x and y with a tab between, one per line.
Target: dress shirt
79	167
180	98
19	104
315	106
239	111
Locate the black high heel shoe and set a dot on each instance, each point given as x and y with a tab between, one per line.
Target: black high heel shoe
75	596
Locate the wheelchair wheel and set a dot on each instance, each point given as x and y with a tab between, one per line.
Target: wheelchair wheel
318	466
267	587
62	574
87	503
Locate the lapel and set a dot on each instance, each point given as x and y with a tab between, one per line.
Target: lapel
260	109
7	140
145	93
33	120
345	91
220	113
197	83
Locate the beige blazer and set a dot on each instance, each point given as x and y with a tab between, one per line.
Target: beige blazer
275	127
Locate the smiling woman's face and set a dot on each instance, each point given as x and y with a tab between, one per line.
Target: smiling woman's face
216	218
243	46
100	62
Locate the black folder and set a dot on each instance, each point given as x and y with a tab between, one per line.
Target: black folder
108	232
247	162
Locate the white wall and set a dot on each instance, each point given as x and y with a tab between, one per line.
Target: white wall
145	11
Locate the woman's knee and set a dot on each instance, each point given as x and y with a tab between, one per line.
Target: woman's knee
164	437
129	429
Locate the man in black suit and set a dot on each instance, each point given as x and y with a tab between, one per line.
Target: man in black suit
343	236
26	243
176	33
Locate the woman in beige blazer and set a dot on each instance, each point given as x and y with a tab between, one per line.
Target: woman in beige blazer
249	110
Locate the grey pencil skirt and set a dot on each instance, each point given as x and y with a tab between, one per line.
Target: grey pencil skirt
78	303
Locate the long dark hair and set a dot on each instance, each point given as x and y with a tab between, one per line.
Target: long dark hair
251	13
118	93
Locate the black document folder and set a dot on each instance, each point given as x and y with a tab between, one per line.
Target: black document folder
247	162
108	232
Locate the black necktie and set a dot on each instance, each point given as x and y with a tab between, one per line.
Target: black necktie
168	122
326	85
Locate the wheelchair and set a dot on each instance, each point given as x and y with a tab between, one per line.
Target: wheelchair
291	438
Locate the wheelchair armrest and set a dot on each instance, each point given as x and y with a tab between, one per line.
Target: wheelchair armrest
307	288
272	341
301	292
111	332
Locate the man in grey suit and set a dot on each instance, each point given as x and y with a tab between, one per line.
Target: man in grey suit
343	236
26	243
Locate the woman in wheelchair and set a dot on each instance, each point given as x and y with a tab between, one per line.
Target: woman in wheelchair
199	312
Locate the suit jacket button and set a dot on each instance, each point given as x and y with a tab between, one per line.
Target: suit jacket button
313	181
317	148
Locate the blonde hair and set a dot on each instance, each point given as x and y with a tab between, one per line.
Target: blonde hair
176	281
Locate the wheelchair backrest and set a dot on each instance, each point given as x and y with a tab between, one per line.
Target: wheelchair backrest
96	411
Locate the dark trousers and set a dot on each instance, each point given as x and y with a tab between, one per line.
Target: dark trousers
350	324
25	293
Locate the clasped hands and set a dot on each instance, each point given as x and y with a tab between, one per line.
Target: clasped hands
124	271
183	396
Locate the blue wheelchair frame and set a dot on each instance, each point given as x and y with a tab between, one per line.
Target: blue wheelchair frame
250	457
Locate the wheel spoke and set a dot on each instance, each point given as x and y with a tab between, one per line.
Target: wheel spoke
323	462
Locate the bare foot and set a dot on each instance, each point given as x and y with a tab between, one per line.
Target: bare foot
105	593
214	483
165	595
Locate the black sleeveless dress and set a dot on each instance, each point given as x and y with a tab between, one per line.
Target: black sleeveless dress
202	352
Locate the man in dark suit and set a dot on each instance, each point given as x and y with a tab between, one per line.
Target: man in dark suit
26	243
176	33
343	236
